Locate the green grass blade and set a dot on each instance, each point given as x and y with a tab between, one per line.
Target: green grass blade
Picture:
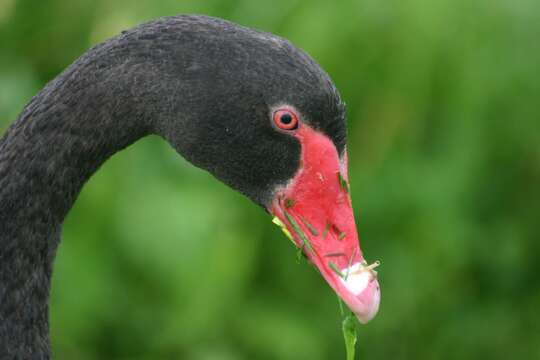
349	334
299	231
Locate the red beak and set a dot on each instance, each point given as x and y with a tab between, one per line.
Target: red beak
315	208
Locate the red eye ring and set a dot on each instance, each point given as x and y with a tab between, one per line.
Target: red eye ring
285	119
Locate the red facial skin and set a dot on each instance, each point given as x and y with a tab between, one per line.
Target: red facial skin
317	197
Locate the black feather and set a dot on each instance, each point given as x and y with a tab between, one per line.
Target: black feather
206	85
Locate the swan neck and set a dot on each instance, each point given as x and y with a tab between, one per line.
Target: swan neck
57	143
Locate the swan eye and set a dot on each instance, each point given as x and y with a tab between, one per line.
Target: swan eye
285	119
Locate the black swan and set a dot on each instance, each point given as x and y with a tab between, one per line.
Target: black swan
247	106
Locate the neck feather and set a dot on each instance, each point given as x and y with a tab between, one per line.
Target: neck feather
61	138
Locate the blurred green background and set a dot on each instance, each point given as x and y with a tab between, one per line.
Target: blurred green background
160	261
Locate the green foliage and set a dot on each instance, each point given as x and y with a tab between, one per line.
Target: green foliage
348	327
159	260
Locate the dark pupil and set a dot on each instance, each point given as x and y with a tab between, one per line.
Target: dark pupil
286	119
